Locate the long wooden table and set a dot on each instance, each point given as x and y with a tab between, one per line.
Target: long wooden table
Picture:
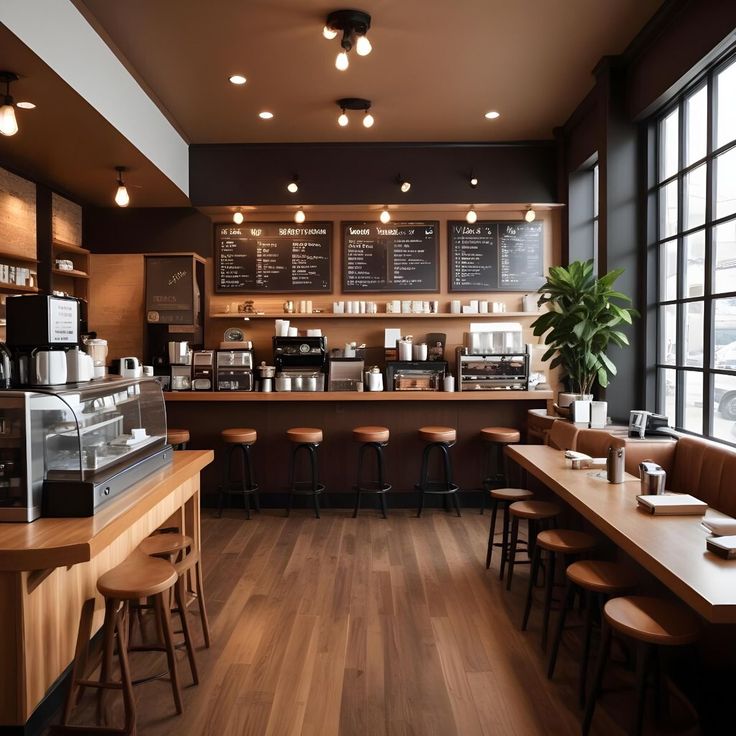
48	568
672	548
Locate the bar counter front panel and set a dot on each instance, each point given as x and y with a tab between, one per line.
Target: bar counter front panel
206	414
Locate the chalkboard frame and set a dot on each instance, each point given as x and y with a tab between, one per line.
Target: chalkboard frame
498	288
327	224
391	289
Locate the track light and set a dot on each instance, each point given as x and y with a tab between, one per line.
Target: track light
293	185
8	123
385	216
354	25
238	217
471	216
404	184
299	216
354	103
122	199
530	215
368	120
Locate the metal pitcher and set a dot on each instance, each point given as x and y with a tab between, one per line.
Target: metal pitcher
615	461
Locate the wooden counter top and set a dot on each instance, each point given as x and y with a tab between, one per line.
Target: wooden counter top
293	396
49	543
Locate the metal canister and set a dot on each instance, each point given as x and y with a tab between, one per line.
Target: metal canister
653	478
615	462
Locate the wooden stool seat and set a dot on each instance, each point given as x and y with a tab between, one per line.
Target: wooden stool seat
652	620
511	494
160	545
534	510
177	436
239	436
371	434
566	541
304	435
501	435
600	576
139	576
437	434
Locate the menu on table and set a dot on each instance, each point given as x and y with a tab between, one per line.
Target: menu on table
398	256
273	256
496	256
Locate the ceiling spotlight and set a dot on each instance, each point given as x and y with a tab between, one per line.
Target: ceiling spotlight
471	215
238	217
265	115
530	215
25	105
385	216
492	115
299	216
354	103
293	185
122	199
473	181
8	123
354	25
404	184
238	79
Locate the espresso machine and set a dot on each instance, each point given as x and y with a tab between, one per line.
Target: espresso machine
303	359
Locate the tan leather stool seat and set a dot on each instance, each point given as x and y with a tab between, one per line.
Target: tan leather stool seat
304	435
511	494
177	436
502	435
170	543
239	436
653	620
139	576
371	434
601	576
534	509
566	541
437	434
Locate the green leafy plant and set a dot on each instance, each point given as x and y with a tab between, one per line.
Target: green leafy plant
585	316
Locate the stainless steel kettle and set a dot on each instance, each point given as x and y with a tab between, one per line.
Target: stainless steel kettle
653	478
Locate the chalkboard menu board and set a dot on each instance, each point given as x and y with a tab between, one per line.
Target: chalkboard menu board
496	256
398	256
273	256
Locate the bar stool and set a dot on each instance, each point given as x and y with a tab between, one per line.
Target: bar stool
496	438
652	623
375	438
240	438
537	514
598	580
503	497
307	439
565	542
442	439
177	438
172	545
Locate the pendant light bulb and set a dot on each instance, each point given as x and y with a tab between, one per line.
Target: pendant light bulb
329	33
385	216
238	217
342	121
299	216
530	215
368	120
473	181
293	185
363	46
405	186
471	216
122	199
8	123
342	62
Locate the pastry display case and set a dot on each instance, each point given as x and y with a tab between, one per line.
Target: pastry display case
66	451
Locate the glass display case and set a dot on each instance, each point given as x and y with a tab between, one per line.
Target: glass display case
66	450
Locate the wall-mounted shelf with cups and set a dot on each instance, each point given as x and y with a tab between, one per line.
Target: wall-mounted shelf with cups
71	281
380	315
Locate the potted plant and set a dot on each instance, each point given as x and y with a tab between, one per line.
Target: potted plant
585	316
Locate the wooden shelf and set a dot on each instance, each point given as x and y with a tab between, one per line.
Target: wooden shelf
5	256
74	274
17	289
69	247
381	315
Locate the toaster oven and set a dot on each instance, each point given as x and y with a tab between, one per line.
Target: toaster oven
419	375
492	372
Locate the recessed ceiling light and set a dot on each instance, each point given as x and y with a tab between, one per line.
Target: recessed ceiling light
265	115
237	79
25	105
492	115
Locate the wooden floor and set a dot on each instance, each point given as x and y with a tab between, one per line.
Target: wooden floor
365	626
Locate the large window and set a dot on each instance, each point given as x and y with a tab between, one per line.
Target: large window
694	198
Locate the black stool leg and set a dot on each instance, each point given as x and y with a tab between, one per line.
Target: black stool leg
549	585
512	549
530	589
600	667
243	481
359	480
504	540
315	475
591	601
492	532
423	477
566	603
381	477
643	659
225	480
449	476
292	487
252	477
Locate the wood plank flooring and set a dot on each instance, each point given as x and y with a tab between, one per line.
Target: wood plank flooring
365	627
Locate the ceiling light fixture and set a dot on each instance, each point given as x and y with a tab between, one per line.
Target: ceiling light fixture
293	185
471	216
473	181
492	115
122	198
265	115
385	216
237	79
8	123
354	25
238	217
530	214
299	216
25	105
355	103
403	184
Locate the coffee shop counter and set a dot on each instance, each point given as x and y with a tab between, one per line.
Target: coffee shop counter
206	414
49	567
